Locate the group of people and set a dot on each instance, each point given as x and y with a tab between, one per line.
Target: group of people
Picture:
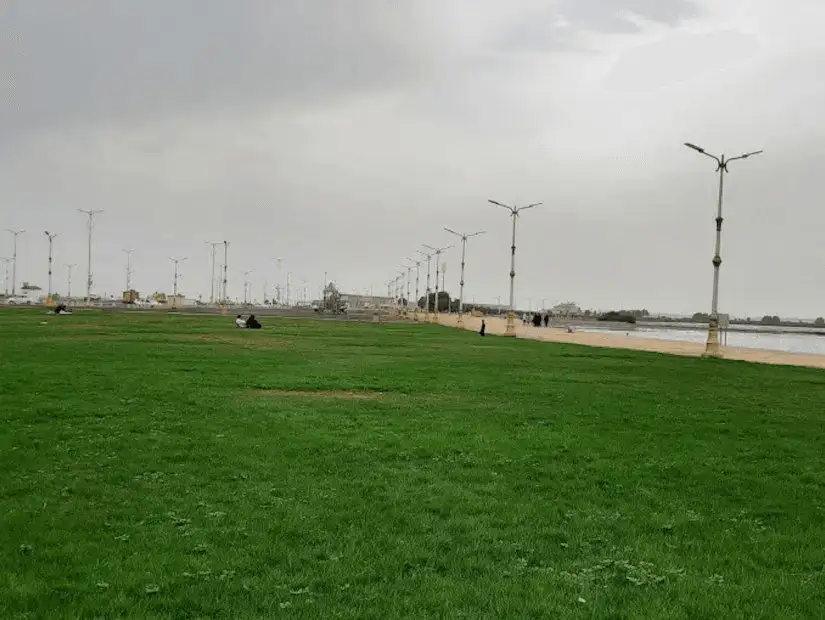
250	323
537	319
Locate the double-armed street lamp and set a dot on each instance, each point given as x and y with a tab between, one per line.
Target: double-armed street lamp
712	345
437	252
213	250
50	237
69	283
15	232
463	237
90	213
128	253
510	329
225	295
177	262
429	258
6	263
417	277
247	289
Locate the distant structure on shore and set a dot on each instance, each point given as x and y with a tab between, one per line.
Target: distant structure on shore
566	309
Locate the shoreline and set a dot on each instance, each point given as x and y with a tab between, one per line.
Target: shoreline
496	326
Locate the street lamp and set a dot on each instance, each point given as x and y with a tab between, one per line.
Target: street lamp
6	262
177	261
15	233
279	261
429	258
417	279
464	237
510	329
128	253
69	287
225	266
399	288
246	286
437	252
409	283
50	237
213	245
712	345
91	213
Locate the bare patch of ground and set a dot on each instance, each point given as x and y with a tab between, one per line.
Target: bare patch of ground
239	341
340	394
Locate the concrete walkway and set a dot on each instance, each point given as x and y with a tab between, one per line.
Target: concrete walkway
496	325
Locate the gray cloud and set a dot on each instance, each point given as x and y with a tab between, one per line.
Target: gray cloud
105	61
342	136
612	16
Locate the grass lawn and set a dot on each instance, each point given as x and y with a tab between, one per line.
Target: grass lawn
169	466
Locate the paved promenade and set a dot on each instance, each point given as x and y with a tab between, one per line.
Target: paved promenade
496	325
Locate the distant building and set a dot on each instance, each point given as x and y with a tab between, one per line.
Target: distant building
568	308
367	302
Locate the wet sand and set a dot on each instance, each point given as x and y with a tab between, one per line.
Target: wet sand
496	325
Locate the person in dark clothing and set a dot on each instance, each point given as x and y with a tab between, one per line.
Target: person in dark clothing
546	320
536	320
252	322
483	329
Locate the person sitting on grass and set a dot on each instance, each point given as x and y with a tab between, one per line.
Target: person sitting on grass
239	322
252	322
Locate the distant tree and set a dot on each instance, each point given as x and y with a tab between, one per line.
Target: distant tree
820	322
618	317
770	320
444	302
700	317
587	313
332	298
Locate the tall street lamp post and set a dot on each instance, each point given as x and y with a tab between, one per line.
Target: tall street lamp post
712	345
6	263
429	258
510	329
417	279
69	283
128	253
437	252
463	237
50	237
177	261
15	233
90	213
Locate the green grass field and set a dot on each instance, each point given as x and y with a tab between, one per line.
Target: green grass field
169	466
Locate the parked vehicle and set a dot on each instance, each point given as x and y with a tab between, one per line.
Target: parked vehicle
19	301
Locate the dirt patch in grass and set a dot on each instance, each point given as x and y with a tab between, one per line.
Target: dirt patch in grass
238	341
340	394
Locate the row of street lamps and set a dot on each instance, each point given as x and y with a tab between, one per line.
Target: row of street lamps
712	343
438	251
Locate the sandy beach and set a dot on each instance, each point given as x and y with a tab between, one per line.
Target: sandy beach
496	325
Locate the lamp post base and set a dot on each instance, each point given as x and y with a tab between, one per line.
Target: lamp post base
712	348
435	317
460	322
510	329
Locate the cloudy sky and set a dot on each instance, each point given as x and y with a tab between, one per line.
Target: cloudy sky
341	136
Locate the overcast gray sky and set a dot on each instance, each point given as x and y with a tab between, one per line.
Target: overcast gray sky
343	135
